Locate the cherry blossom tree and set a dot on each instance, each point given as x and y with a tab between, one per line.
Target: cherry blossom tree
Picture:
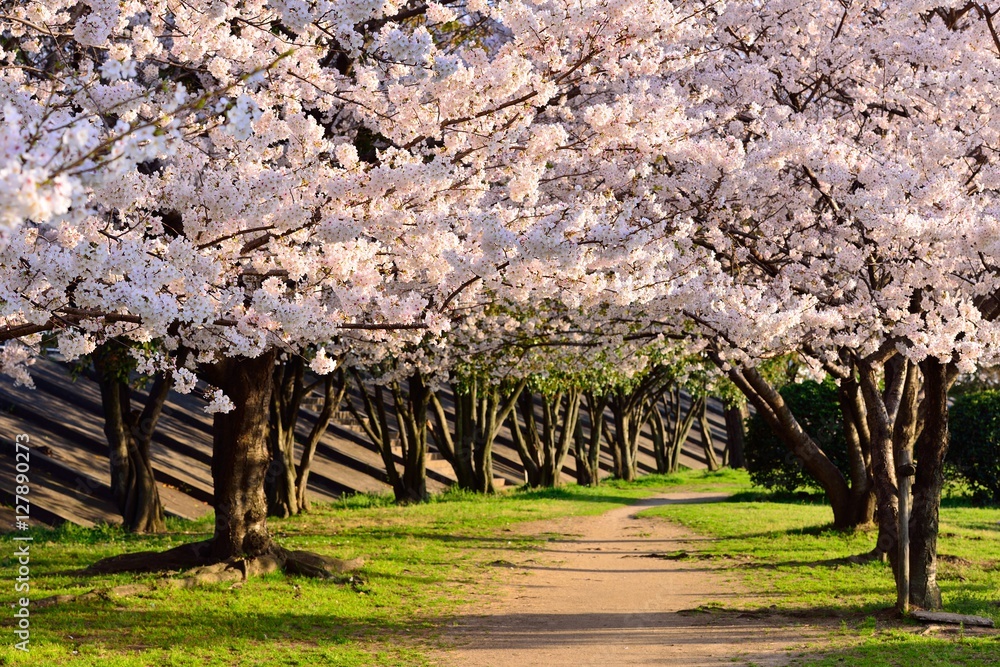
343	173
841	202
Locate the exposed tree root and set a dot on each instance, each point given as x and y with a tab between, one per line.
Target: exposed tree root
201	569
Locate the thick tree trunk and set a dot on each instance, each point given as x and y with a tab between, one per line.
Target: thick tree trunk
129	435
240	457
931	447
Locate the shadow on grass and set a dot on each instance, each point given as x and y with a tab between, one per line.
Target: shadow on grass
780	497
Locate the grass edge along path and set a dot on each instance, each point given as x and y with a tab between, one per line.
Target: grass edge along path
423	564
788	557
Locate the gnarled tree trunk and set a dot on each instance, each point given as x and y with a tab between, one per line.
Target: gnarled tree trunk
480	411
286	483
410	484
240	457
543	447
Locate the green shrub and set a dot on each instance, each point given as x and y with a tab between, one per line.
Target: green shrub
974	422
817	409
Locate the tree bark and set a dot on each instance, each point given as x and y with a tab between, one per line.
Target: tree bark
285	402
772	407
240	457
931	448
858	451
881	410
411	416
543	449
707	442
410	484
241	545
588	451
480	412
681	425
736	416
333	395
129	434
457	449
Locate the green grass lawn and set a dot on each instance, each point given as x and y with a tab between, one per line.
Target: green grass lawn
422	563
784	551
425	562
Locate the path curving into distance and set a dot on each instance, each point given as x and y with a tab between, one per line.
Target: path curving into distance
601	596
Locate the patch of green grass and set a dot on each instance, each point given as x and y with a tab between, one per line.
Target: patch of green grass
422	563
788	555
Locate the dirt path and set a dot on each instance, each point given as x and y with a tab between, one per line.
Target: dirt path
591	598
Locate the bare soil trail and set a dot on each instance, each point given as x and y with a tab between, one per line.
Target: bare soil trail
605	595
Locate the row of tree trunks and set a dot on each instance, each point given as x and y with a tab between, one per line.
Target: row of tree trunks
240	458
891	406
480	413
893	422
